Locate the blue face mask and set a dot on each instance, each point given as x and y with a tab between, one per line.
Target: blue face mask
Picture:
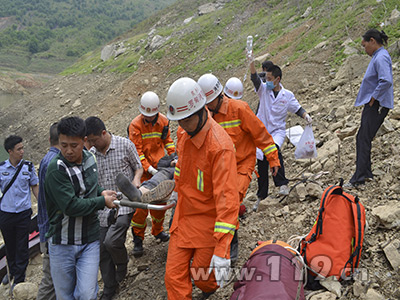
270	85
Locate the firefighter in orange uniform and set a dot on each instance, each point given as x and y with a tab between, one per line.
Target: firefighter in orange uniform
150	133
208	202
245	129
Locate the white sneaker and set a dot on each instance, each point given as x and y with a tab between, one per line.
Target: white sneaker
351	186
284	190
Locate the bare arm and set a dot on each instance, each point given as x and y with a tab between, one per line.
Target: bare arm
138	175
253	68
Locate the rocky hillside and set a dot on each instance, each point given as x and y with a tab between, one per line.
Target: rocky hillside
318	45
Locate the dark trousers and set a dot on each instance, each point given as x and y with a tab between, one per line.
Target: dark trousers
15	230
162	175
113	254
263	171
371	120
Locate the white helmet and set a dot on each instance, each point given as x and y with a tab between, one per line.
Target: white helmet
184	98
234	88
210	86
149	104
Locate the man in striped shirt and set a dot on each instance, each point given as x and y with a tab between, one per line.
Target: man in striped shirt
73	197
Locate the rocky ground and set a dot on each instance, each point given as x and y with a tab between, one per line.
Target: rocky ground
327	94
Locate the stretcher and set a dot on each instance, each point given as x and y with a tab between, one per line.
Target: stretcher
126	202
130	196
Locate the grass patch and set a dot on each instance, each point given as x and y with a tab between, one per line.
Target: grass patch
214	41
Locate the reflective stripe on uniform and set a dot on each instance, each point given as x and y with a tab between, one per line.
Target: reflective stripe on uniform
200	180
224	228
141	157
137	225
177	171
151	135
230	124
169	145
157	220
270	149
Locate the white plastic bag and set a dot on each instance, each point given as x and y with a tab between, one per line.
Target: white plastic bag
306	146
294	134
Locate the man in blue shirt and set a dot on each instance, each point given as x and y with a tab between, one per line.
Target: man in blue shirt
46	288
376	94
15	207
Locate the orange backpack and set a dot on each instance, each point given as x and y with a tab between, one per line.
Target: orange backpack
333	246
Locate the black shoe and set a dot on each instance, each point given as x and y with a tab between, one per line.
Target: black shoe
106	296
206	295
6	280
162	236
109	294
127	188
138	248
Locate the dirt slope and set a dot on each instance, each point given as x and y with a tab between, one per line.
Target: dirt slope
114	98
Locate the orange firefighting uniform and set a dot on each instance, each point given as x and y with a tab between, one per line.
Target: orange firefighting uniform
247	132
206	213
150	147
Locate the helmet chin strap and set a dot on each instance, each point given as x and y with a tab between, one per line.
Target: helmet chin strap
152	122
200	124
216	109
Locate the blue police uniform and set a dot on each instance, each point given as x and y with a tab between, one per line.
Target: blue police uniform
15	215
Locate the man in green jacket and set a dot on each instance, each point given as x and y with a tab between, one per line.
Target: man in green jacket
73	198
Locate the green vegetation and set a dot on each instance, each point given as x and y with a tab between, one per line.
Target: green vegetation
217	40
48	35
3	154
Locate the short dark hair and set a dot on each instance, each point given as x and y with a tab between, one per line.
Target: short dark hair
275	71
379	36
95	126
11	141
266	64
53	134
72	126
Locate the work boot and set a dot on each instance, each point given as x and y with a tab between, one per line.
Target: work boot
162	236
160	193
138	248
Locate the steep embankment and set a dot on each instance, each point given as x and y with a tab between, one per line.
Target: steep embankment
323	64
